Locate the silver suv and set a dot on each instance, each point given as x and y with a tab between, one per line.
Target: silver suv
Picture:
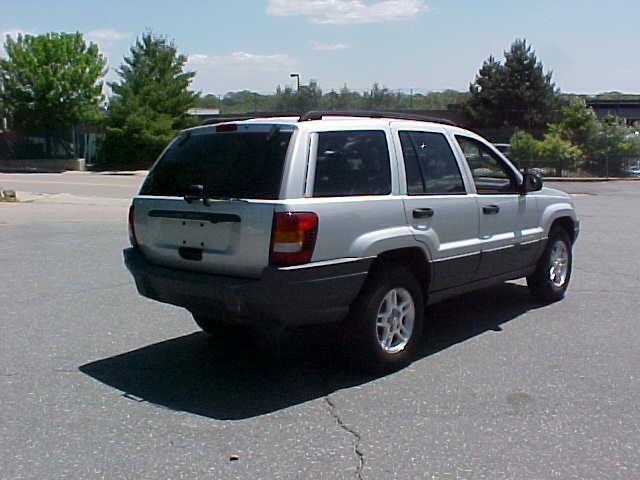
362	220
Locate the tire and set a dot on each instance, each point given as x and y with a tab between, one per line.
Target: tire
550	281
380	336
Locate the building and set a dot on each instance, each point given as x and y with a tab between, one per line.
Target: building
202	114
627	110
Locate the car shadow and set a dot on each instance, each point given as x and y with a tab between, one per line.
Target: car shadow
240	377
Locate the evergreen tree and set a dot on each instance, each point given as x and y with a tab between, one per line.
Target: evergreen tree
516	93
149	103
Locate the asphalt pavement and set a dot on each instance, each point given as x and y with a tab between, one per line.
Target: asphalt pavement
98	382
96	184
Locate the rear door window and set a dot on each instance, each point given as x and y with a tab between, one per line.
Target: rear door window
352	163
247	164
430	165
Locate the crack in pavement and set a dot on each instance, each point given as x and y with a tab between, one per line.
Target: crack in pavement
356	446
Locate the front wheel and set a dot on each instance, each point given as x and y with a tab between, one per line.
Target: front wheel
551	279
386	321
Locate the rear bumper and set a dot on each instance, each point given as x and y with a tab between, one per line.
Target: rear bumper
315	293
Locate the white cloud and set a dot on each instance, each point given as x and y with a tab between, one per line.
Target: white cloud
198	59
344	12
328	47
243	61
105	36
238	70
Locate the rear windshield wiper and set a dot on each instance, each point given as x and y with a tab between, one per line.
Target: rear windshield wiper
197	192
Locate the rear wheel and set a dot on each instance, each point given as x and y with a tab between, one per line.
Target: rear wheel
386	321
551	279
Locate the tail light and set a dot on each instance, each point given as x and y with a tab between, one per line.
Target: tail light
132	228
293	238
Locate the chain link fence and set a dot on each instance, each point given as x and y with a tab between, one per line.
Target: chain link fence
613	166
75	143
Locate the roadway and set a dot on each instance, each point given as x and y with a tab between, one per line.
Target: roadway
108	185
97	382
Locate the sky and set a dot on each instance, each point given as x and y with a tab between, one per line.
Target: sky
425	45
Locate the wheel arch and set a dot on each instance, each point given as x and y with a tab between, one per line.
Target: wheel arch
561	214
413	258
567	224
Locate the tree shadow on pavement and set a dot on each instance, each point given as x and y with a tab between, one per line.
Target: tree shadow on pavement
239	377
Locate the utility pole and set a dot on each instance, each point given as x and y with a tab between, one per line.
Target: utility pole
411	99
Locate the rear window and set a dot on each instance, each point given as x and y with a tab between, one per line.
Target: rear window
352	163
245	164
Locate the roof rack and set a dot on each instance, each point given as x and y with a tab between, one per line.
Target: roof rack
318	115
247	116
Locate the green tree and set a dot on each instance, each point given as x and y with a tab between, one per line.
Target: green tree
209	101
309	97
439	100
51	82
516	93
524	150
149	103
284	99
379	98
605	144
579	124
614	144
558	152
348	99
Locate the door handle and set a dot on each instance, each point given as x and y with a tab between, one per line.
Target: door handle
422	212
490	209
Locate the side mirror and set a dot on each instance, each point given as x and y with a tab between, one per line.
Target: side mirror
531	182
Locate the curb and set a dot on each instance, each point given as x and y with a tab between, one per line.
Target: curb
591	179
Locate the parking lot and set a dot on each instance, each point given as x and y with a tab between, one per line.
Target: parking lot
98	382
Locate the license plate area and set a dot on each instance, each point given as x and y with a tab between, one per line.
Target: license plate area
196	234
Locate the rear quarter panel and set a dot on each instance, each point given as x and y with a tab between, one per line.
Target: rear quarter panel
356	226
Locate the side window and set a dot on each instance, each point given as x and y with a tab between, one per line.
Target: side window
430	165
352	163
490	174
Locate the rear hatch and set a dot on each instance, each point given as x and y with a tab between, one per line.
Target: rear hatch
208	203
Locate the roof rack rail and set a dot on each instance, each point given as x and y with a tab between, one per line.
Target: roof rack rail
247	116
318	115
